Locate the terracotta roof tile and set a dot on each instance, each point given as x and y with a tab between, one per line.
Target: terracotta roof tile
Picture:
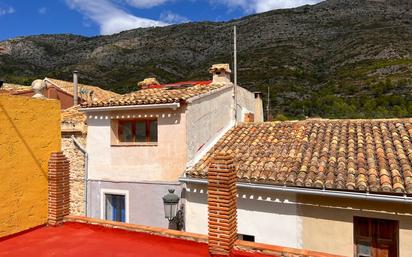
354	155
73	115
156	95
14	87
97	95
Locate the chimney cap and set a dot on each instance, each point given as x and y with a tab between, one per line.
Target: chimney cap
220	67
148	82
75	71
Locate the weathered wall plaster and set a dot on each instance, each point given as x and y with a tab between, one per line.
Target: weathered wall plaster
324	218
270	217
206	118
246	103
29	133
164	161
323	224
145	204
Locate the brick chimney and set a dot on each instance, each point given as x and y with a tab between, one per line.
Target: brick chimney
222	205
221	73
249	117
59	188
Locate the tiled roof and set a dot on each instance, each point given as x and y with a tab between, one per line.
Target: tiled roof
73	115
157	95
98	93
354	155
14	87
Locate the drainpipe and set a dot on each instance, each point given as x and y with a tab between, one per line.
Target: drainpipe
75	87
86	171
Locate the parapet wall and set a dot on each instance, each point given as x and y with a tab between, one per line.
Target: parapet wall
29	133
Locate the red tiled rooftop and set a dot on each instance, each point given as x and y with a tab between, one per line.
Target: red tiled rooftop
78	239
351	155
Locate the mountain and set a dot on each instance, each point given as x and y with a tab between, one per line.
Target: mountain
336	59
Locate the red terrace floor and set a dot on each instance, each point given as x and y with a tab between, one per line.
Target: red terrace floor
76	239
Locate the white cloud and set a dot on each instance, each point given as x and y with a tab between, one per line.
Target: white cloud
110	17
145	3
258	6
43	10
172	18
9	10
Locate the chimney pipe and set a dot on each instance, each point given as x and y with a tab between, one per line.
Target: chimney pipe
75	87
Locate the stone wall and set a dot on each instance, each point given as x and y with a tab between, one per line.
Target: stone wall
77	172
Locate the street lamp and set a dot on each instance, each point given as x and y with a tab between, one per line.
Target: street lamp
171	202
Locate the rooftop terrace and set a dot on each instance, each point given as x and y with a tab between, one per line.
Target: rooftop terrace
79	239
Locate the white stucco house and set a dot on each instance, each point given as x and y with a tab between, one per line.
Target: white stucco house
140	144
337	186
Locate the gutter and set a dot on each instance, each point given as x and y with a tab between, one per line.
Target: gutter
86	171
310	191
173	106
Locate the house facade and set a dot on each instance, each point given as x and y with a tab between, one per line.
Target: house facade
338	186
140	144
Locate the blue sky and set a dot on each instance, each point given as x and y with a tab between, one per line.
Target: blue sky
101	17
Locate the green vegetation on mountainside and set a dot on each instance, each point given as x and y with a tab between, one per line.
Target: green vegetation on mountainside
336	59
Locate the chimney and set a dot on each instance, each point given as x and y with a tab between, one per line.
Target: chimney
147	82
249	117
59	188
75	87
222	205
221	73
38	87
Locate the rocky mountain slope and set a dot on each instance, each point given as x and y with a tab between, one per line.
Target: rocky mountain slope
339	58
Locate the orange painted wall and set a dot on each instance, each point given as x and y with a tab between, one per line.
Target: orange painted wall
29	133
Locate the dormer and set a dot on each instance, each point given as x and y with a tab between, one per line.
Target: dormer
221	73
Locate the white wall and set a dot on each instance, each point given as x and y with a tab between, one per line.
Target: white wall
162	162
207	118
247	103
271	218
317	223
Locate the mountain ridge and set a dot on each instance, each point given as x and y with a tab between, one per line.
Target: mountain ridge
323	60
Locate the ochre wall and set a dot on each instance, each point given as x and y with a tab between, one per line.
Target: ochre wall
29	133
327	223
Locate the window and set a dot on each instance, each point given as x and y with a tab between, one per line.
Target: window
375	237
115	207
246	237
137	131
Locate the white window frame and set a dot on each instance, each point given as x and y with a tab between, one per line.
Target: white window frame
105	191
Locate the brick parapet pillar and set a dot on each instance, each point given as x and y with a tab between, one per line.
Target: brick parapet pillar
222	205
59	188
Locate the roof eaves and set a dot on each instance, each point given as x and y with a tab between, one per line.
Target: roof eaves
173	106
405	198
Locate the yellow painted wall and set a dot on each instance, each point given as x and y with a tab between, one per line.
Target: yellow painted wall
29	133
327	223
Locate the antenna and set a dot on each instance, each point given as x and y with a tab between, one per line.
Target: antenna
268	106
235	69
75	87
